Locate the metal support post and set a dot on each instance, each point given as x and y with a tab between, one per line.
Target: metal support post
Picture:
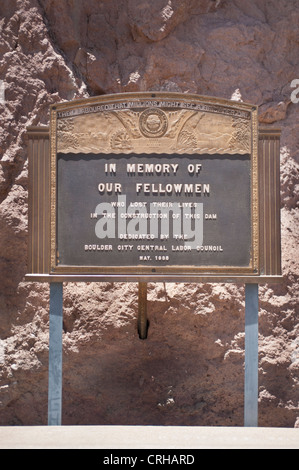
251	356
142	310
55	355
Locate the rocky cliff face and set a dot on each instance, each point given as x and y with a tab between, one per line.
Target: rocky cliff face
190	369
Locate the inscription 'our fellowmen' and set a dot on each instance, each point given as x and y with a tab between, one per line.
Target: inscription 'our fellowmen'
158	188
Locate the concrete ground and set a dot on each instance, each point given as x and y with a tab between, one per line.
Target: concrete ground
147	437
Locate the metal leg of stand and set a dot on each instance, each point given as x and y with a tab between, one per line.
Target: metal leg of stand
142	310
251	356
55	355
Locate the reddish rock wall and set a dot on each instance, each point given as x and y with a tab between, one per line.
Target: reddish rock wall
190	369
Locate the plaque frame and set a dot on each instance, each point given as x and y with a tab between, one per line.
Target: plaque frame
131	105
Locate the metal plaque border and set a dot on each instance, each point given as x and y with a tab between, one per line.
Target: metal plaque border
212	104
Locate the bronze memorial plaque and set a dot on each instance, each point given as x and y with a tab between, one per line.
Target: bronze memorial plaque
151	184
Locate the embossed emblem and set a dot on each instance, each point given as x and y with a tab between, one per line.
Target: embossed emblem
121	140
153	122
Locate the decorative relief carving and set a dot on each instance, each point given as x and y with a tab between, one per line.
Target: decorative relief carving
120	140
154	129
130	121
153	122
241	134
